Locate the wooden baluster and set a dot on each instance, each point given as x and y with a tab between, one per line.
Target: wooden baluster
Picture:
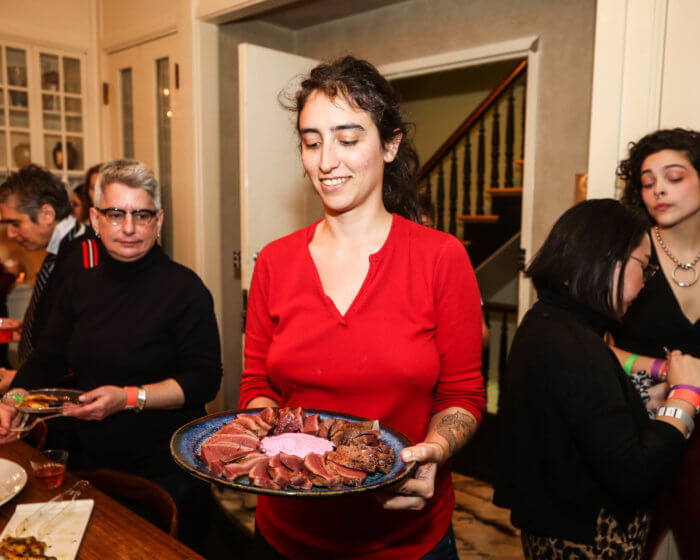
453	193
480	168
467	176
441	199
495	146
510	139
427	187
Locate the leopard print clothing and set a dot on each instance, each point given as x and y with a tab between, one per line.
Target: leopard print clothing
642	382
611	542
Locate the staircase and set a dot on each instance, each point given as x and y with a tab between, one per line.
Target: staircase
474	179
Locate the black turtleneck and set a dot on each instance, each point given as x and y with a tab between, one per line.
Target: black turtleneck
131	323
575	434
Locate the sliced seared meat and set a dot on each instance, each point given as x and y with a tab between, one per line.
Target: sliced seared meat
278	472
251	425
243	439
235	428
264	427
315	467
242	467
224	451
351	477
269	415
292	462
344	432
300	481
290	420
367	458
311	425
259	476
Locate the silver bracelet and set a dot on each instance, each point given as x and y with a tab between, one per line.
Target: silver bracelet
680	414
140	399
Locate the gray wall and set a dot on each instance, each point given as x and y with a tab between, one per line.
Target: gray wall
418	28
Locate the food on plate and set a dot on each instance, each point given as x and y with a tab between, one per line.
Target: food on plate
13	548
282	448
41	400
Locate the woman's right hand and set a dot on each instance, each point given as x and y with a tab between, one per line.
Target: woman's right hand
683	369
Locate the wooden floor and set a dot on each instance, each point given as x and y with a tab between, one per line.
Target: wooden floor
482	530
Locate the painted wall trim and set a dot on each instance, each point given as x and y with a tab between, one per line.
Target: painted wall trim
144	38
225	11
483	54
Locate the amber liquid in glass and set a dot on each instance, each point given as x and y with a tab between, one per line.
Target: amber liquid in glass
50	475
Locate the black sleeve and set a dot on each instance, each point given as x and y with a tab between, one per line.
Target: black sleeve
199	352
47	364
631	462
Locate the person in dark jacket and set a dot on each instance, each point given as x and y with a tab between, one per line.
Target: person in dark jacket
139	332
580	460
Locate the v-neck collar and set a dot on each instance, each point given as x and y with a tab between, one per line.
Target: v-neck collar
660	276
374	261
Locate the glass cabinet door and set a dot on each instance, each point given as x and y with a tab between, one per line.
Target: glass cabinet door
15	147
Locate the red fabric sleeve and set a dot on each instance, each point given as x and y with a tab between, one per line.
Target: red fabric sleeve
258	336
458	334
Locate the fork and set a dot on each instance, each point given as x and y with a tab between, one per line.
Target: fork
25	427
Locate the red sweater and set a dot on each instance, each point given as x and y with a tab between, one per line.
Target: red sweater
408	347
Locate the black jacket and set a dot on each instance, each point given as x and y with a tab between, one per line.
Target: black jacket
575	434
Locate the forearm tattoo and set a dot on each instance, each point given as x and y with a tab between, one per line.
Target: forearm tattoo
457	428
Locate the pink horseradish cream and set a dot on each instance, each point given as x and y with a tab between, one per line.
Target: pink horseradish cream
294	444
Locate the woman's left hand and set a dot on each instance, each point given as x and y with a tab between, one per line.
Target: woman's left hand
657	396
101	402
414	493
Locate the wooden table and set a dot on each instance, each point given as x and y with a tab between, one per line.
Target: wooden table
114	532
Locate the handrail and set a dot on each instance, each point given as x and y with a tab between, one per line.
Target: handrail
498	306
471	119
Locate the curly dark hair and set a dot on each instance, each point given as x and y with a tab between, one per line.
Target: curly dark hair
678	139
361	84
32	187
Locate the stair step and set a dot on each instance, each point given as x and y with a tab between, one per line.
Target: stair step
510	191
478	219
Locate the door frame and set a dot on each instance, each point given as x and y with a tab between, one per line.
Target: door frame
484	54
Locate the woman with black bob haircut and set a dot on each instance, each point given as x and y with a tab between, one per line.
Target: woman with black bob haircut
580	460
368	313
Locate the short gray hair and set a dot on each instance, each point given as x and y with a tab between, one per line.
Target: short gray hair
131	173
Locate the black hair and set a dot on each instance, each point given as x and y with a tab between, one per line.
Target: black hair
81	191
680	140
581	253
361	84
90	172
32	187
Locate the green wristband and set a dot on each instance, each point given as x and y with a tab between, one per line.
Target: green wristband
629	362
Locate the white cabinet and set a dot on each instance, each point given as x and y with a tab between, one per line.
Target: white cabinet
42	110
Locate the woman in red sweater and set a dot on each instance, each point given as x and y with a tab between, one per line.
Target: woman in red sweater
365	312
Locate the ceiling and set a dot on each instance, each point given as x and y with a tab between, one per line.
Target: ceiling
307	13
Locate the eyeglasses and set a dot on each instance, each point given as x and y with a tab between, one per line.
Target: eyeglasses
117	216
648	270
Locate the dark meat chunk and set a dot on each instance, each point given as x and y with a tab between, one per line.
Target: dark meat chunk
351	477
365	458
318	473
345	433
311	425
290	420
325	428
269	415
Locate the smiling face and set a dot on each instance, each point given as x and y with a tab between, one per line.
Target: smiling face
31	235
670	187
342	153
126	242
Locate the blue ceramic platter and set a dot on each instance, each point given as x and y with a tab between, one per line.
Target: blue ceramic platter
187	442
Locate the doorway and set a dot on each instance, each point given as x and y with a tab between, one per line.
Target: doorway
140	113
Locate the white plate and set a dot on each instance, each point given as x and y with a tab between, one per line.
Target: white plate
12	480
62	534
